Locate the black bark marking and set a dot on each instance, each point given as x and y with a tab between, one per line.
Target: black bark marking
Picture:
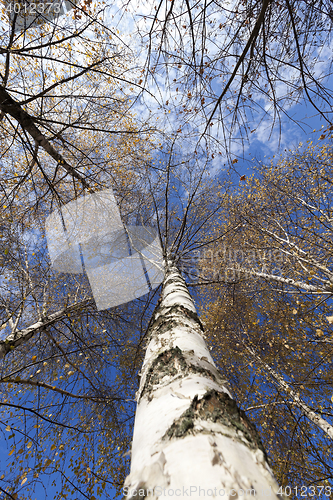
216	407
172	363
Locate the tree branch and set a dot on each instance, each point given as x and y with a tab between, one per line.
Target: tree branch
17	338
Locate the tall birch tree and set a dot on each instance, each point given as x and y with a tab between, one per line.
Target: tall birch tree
59	108
190	438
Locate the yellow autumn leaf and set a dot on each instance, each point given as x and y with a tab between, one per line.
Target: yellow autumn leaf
11	451
8	428
24	481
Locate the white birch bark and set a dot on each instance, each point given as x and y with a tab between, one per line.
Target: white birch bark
190	439
305	409
326	289
19	337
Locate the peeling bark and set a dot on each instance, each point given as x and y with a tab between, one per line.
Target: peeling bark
189	434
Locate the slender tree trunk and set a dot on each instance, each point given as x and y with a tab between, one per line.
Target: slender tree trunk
17	338
190	438
301	405
326	289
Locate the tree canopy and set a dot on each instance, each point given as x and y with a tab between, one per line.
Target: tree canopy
155	111
271	306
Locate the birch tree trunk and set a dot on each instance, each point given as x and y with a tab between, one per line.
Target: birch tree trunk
190	438
301	405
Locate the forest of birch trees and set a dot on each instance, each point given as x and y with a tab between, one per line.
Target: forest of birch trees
211	122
